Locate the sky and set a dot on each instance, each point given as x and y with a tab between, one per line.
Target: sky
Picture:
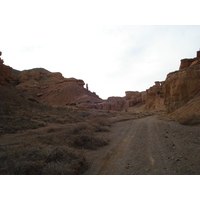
85	40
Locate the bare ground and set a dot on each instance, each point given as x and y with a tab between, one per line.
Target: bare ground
143	146
148	146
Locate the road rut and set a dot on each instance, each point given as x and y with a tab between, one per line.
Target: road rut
147	146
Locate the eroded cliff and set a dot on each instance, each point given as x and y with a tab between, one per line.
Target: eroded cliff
182	85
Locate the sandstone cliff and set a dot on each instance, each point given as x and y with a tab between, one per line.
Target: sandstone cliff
154	99
179	92
53	89
182	91
42	86
112	103
183	85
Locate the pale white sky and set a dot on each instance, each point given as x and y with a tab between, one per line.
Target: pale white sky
96	41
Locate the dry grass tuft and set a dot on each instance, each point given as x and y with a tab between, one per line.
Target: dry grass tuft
100	124
36	161
89	142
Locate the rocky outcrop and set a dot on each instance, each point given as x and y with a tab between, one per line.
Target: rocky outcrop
112	103
183	85
1	61
87	101
53	89
185	63
42	86
132	98
154	97
5	73
188	62
27	75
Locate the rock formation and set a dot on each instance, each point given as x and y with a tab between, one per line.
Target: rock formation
6	73
27	75
189	62
132	98
54	89
183	85
1	61
154	97
112	103
179	91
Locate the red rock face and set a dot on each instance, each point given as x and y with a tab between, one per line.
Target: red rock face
112	103
154	98
183	85
27	75
185	63
5	75
1	61
188	62
198	54
40	85
54	89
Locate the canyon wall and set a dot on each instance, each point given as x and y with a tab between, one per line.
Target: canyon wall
53	89
178	90
183	85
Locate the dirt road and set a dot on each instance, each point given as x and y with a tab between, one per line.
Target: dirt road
148	146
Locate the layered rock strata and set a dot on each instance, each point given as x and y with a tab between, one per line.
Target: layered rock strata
54	89
154	99
183	85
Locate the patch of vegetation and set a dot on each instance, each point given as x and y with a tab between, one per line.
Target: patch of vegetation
89	142
78	129
56	150
10	125
100	124
40	160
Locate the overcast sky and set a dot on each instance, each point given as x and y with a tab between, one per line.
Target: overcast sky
112	59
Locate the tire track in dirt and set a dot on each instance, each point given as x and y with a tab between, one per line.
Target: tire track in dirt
139	152
145	146
108	164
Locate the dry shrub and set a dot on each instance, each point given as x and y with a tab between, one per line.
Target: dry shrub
10	125
55	138
102	121
37	161
79	128
98	128
100	124
89	142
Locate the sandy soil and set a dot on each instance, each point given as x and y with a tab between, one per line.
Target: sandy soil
148	146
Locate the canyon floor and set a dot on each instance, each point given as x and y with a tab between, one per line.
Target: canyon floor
100	143
148	146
